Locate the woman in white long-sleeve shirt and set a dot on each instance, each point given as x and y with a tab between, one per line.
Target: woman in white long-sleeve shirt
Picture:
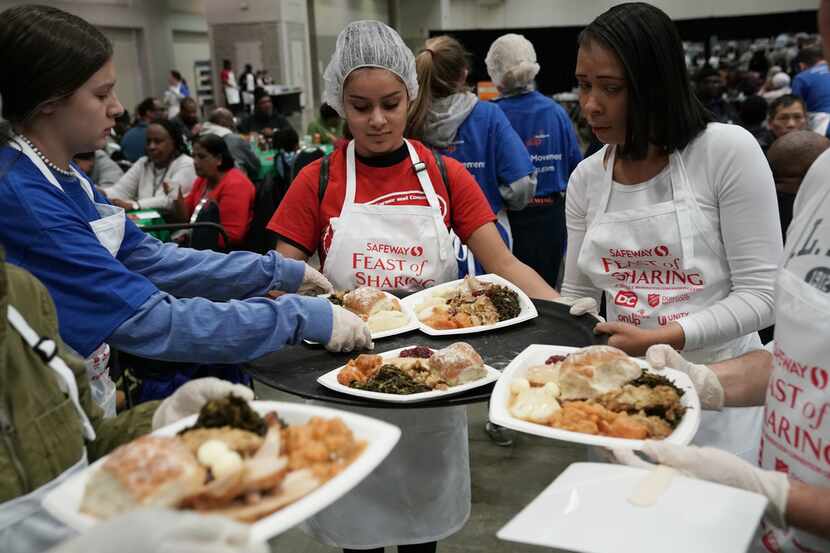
153	182
675	219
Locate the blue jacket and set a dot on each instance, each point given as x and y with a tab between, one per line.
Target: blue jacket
549	136
152	299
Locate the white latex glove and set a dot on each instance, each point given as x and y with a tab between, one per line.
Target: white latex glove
162	531
581	306
314	283
715	465
348	331
190	398
706	382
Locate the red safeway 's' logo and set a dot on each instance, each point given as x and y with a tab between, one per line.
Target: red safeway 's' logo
416	251
654	300
626	298
661	251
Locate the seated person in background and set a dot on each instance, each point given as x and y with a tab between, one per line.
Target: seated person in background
790	157
103	171
328	125
709	89
753	114
786	114
132	145
153	182
221	124
220	181
265	119
188	118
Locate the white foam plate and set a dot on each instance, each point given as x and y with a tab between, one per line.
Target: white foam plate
536	354
586	509
64	501
528	310
329	380
410	314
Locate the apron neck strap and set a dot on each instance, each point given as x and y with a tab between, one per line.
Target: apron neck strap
47	350
681	195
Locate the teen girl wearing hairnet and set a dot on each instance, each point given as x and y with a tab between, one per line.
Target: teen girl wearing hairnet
450	118
546	130
383	219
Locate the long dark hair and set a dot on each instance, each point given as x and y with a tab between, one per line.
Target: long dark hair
47	55
662	109
178	76
216	147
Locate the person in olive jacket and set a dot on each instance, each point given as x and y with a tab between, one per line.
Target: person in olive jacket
50	427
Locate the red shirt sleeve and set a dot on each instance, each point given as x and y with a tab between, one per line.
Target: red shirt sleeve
298	216
469	209
236	201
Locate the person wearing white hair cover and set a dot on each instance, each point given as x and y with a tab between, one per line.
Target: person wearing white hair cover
384	220
545	128
779	85
451	119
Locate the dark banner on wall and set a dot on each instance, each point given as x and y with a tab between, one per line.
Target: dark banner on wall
556	46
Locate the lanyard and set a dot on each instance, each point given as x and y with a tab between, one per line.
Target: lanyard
157	182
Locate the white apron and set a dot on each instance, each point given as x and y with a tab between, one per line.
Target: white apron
818	122
796	432
109	230
421	492
658	264
24	525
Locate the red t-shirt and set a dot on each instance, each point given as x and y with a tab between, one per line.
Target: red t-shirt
301	219
235	196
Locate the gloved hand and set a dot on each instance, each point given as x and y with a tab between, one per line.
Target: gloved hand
162	531
188	399
581	306
715	465
348	331
314	283
706	382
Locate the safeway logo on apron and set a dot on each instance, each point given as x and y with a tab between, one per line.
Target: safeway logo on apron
390	245
390	266
647	278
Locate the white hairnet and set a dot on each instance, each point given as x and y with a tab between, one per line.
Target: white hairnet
511	62
780	80
367	44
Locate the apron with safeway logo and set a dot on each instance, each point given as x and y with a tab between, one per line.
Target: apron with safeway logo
421	491
398	248
796	430
658	264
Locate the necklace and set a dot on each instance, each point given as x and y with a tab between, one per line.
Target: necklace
45	159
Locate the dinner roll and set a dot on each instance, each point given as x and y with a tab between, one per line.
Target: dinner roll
595	370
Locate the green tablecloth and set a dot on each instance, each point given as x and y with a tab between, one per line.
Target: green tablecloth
266	158
145	217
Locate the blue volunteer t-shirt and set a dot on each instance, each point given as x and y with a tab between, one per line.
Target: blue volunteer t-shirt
46	231
547	132
490	149
813	86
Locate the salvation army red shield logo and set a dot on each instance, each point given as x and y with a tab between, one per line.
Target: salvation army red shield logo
626	298
654	300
